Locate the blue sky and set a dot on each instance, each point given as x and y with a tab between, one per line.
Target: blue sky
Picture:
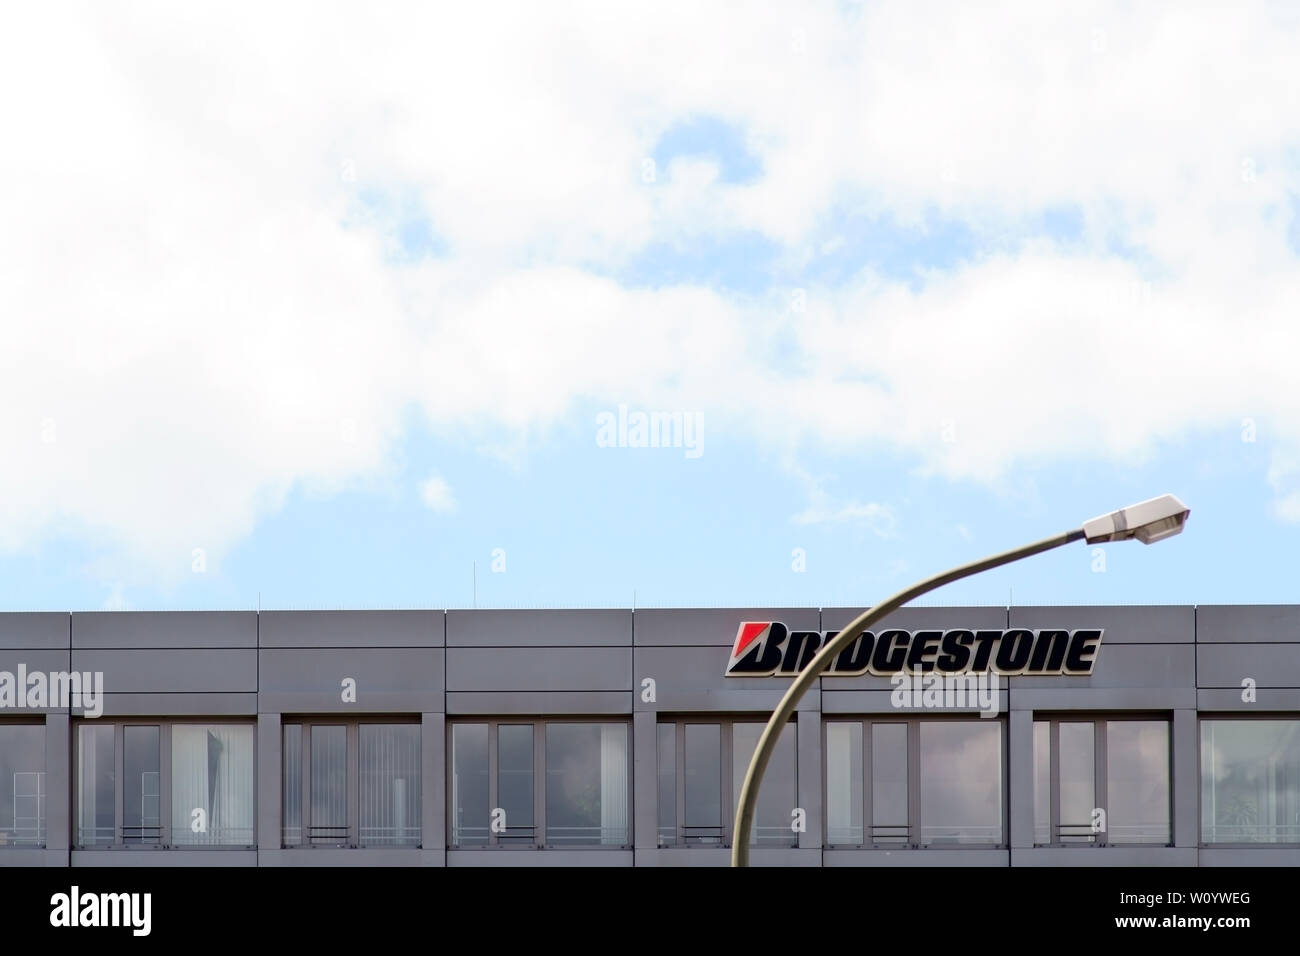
813	271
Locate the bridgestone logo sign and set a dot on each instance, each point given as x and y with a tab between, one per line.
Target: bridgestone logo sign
769	649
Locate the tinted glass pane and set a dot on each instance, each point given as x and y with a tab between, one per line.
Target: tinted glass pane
1078	769
22	785
961	781
96	777
469	785
844	783
667	759
1250	781
1042	782
889	783
777	795
329	784
586	785
141	786
389	763
515	781
1137	781
212	784
703	770
292	826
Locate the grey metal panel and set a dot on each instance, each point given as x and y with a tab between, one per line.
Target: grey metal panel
433	795
694	856
34	629
365	857
1152	624
160	857
388	680
920	618
58	786
910	858
177	705
693	678
488	857
880	702
1266	699
198	671
1247	623
548	628
107	629
645	781
1104	856
1020	788
352	629
44	661
270	773
1127	665
483	703
1186	784
708	701
712	627
1251	856
538	668
1226	665
12	856
809	776
1103	698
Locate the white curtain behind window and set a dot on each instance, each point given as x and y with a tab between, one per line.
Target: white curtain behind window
613	784
212	770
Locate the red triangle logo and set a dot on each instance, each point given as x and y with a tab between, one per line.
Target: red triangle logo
748	632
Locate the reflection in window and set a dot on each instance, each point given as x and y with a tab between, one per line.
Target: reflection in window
961	782
212	784
141	793
586	784
22	785
470	800
777	794
694	776
390	784
1137	781
1250	781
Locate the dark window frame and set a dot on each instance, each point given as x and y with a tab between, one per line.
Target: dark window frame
163	841
43	828
538	838
728	795
351	837
1201	718
1100	775
912	840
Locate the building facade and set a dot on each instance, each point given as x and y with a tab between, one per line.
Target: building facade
613	738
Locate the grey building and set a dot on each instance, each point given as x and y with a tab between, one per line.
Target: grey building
613	738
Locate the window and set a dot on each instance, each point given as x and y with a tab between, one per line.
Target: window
22	785
1101	781
141	783
1250	781
702	767
906	783
561	783
355	783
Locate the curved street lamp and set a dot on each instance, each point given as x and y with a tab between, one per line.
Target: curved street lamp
1148	522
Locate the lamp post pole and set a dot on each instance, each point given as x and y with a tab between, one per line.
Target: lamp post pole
1148	521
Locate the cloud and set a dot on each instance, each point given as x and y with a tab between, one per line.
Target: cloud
201	311
437	495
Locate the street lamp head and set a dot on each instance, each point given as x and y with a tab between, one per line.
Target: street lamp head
1149	522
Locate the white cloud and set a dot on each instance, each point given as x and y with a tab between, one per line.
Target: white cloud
437	495
199	312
